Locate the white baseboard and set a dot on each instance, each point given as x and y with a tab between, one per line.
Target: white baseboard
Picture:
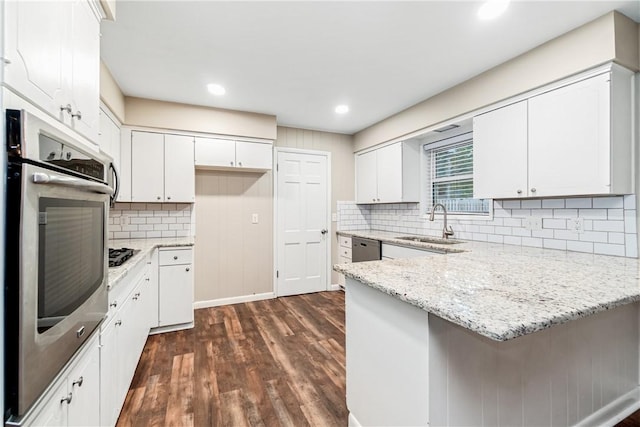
335	287
615	411
170	328
233	300
353	422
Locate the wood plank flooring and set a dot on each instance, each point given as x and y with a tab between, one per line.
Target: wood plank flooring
269	363
265	363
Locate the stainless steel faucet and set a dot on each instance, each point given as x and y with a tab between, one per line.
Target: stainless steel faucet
446	231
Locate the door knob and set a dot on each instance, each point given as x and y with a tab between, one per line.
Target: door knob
324	231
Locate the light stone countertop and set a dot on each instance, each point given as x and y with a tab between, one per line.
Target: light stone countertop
145	246
391	238
502	291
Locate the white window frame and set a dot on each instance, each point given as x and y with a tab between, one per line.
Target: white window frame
426	189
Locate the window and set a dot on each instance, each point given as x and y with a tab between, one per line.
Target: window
449	165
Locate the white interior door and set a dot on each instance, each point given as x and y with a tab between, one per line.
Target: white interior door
303	223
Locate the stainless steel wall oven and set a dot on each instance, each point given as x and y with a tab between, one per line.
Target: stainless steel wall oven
56	254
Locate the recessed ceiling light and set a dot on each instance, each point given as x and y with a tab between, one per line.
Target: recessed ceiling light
492	9
342	109
216	89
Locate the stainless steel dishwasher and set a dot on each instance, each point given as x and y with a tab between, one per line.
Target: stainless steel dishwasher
365	249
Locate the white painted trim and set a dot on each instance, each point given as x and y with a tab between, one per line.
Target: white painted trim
329	234
233	300
353	421
335	287
171	328
105	109
615	411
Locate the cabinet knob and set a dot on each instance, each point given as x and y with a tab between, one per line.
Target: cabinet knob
231	163
114	304
77	115
519	191
118	323
168	197
175	257
6	61
187	269
158	197
66	108
78	382
373	199
67	399
239	163
533	190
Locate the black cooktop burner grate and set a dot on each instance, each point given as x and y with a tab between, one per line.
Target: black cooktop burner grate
119	256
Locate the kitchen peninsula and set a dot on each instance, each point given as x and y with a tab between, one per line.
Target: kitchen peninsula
494	335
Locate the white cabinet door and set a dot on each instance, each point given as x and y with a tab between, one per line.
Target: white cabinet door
147	167
215	152
153	289
84	384
366	177
389	173
104	135
36	34
84	84
254	155
54	413
179	170
569	139
500	153
109	374
175	294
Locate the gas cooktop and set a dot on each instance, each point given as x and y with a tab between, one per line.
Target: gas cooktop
119	256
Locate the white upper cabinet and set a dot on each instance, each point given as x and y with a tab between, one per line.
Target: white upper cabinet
568	141
179	172
52	58
389	174
500	153
226	154
162	168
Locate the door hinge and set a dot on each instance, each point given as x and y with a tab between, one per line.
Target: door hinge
277	167
277	274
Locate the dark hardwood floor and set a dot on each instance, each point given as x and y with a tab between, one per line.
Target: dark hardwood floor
264	363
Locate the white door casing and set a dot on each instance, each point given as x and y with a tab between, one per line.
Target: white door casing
302	214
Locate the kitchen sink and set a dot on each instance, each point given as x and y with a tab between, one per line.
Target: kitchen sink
433	240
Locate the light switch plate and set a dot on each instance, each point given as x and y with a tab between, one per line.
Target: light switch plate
254	218
575	224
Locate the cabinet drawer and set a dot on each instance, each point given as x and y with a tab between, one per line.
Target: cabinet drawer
345	260
175	256
345	252
345	241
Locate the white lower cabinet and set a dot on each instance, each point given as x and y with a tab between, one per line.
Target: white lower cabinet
73	399
175	287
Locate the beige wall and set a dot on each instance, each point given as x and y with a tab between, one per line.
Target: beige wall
342	167
171	115
233	257
610	37
110	93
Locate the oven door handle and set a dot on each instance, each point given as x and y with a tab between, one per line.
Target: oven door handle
67	181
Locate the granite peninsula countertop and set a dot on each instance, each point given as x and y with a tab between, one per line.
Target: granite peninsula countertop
502	291
392	238
145	246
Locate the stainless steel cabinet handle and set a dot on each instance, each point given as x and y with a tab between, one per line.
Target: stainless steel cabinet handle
231	163
137	294
187	269
118	323
519	191
324	231
77	115
66	108
169	198
158	197
114	304
175	257
67	399
374	199
78	382
239	163
533	190
6	60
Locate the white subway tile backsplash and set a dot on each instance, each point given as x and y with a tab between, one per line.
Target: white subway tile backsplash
608	249
150	220
608	202
581	203
565	213
604	223
553	203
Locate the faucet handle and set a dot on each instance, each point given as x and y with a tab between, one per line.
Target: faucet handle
446	232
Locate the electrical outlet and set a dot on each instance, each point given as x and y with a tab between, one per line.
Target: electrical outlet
575	224
532	223
254	218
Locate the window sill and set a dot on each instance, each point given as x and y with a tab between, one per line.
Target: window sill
468	217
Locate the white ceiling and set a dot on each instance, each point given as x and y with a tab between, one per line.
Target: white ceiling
298	60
